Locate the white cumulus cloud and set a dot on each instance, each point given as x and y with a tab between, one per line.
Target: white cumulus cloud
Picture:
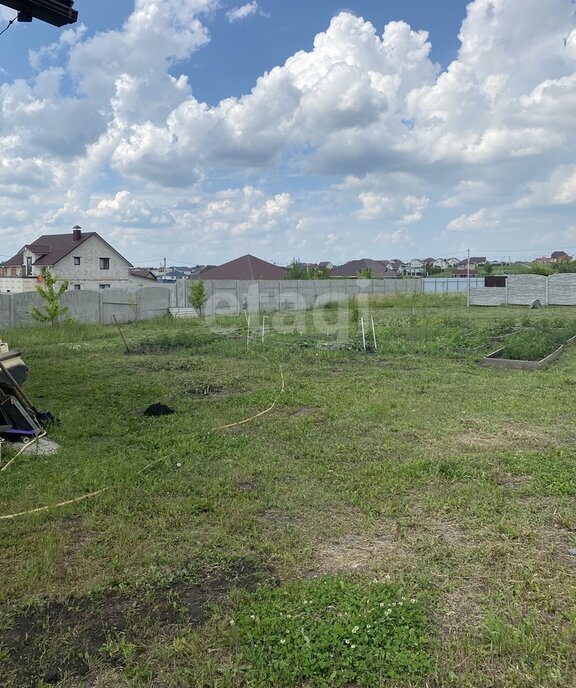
387	134
238	13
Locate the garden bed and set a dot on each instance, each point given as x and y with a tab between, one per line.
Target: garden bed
496	358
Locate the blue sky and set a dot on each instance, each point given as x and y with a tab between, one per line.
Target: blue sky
200	130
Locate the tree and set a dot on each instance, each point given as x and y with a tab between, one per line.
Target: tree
52	310
365	273
566	266
197	295
319	272
297	270
487	268
540	269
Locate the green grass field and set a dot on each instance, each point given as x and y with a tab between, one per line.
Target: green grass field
403	517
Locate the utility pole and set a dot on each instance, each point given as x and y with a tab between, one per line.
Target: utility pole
164	273
468	285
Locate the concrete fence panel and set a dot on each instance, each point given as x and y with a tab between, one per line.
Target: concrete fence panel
290	299
120	303
22	305
523	289
152	302
491	296
83	305
562	289
6	315
269	296
222	302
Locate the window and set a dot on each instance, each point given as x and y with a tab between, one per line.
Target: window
104	263
76	286
76	260
28	265
103	286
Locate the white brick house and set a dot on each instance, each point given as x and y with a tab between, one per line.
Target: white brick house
82	258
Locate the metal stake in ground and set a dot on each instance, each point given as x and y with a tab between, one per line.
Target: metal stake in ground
374	333
121	334
263	327
363	333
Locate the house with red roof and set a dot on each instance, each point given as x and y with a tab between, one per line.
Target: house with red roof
85	259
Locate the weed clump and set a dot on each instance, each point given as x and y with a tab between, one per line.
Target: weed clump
536	343
332	632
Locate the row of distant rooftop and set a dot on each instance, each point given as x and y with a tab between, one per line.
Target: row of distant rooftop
253	268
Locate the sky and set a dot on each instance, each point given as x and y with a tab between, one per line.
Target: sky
202	130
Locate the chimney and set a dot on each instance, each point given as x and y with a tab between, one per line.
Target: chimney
76	233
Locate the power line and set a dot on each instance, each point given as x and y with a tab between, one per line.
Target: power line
8	25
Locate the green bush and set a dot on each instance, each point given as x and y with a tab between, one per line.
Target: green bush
332	632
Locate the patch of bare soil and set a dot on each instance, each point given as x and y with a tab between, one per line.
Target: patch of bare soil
205	389
53	640
76	538
359	552
390	548
513	482
298	411
168	364
462	604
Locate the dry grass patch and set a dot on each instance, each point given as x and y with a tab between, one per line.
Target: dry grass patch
462	604
513	436
359	553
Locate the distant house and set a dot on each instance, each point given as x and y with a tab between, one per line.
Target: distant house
325	264
560	257
452	262
395	264
462	271
544	260
474	262
198	269
416	263
245	268
353	267
142	277
440	263
85	259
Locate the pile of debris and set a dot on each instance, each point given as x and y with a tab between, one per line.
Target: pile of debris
19	420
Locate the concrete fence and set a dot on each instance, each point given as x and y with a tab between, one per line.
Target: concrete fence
230	297
522	290
449	285
90	306
233	296
225	297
